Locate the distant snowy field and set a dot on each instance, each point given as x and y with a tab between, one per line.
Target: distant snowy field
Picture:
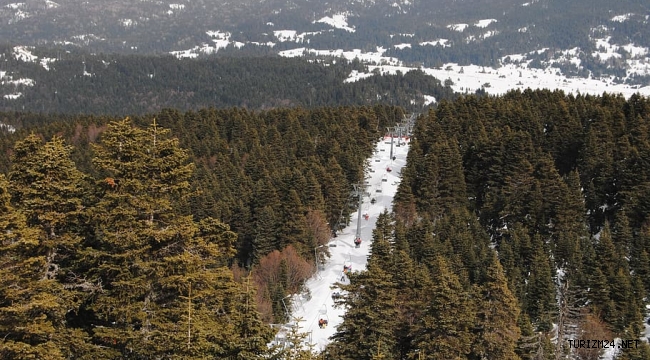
513	72
511	75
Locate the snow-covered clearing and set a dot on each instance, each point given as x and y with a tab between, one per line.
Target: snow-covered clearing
382	186
339	21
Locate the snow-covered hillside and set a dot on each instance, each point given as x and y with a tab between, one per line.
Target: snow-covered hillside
513	74
382	185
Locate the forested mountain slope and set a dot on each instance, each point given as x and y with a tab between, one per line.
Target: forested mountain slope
278	179
520	223
82	83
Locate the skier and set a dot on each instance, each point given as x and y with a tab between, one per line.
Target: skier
357	242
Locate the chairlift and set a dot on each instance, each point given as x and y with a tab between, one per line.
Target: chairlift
323	319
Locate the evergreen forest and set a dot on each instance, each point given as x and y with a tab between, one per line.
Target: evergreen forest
520	223
79	82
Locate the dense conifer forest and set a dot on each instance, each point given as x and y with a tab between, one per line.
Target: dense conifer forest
520	223
111	84
119	234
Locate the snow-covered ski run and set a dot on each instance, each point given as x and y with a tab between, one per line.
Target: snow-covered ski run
382	180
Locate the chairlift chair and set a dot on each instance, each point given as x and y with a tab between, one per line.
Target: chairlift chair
323	319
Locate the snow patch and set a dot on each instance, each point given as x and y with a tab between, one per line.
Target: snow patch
338	21
15	6
622	18
439	42
127	22
12	97
51	4
428	100
268	43
45	62
485	22
177	6
285	35
220	40
7	127
376	58
405	35
22	53
489	33
402	46
355	75
457	27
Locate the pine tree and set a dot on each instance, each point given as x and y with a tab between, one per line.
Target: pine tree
254	335
49	189
451	182
540	289
33	303
296	348
293	229
533	345
165	291
497	315
371	317
445	330
265	237
335	190
313	195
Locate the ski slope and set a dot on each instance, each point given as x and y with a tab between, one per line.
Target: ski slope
382	186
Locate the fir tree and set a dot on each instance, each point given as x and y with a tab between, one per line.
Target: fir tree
33	304
370	317
49	189
540	289
445	330
164	289
254	335
497	315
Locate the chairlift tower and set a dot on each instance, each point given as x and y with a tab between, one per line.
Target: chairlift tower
391	131
359	191
398	128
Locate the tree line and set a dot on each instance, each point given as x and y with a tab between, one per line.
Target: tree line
113	84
